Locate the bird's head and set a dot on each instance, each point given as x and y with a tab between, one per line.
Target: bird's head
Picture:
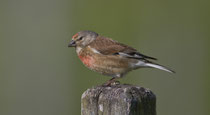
82	39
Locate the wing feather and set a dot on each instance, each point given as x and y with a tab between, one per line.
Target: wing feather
108	46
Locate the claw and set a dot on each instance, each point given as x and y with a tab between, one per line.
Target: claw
111	82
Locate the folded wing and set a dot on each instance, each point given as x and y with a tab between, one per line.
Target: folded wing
107	46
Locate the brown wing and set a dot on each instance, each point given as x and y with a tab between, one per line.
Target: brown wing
107	46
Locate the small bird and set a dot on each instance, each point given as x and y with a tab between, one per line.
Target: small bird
109	57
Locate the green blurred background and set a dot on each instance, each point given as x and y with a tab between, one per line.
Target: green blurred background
40	75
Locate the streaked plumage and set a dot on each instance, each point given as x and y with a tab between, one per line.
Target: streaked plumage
110	57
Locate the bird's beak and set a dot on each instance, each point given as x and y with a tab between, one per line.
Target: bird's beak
72	43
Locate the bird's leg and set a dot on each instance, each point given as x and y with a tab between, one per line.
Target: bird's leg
111	82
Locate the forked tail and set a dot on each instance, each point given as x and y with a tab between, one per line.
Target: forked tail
154	65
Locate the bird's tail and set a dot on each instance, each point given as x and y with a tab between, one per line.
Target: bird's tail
154	65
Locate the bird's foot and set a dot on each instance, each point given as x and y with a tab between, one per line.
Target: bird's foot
111	82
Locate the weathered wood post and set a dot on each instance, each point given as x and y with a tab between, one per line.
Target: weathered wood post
118	100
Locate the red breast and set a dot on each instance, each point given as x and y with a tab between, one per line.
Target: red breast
87	60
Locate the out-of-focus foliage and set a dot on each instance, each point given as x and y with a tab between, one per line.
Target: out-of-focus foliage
40	75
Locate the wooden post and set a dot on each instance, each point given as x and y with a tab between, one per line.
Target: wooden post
118	100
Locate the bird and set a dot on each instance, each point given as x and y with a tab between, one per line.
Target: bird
109	57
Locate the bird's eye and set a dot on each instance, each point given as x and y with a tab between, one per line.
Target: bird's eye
80	38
